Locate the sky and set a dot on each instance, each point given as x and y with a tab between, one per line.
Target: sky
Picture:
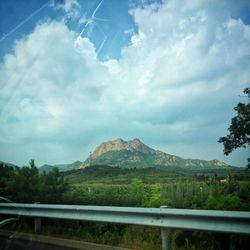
75	73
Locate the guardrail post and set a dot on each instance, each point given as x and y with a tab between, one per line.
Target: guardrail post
37	222
165	236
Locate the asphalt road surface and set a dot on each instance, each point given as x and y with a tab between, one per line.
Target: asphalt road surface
20	244
24	241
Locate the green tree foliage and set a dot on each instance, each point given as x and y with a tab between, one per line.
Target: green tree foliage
52	186
26	185
6	174
32	163
138	192
156	197
239	130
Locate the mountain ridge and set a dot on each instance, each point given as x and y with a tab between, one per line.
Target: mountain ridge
134	153
61	167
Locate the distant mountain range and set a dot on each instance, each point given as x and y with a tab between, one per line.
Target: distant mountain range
61	167
135	154
7	164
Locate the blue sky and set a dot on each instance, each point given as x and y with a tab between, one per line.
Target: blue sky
75	73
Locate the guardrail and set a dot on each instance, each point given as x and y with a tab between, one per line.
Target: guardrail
164	218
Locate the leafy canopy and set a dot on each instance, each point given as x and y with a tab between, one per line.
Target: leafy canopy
239	130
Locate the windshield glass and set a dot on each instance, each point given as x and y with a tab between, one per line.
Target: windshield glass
131	103
78	73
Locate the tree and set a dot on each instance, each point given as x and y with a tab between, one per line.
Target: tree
239	130
138	192
24	185
52	187
32	163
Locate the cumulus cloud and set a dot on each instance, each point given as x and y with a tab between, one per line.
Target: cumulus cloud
176	84
71	8
186	54
46	80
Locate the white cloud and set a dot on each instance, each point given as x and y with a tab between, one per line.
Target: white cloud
136	39
72	9
186	49
50	79
176	83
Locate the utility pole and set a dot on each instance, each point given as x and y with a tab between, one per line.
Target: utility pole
90	158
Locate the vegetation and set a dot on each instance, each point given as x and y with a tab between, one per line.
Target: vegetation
116	175
239	130
27	185
104	185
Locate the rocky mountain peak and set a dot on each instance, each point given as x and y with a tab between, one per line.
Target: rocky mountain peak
137	145
120	144
218	163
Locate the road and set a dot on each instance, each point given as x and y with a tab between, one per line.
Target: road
23	241
20	244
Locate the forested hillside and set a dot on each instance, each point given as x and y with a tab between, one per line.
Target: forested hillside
113	186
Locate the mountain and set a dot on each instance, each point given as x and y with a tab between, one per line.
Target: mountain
7	164
119	144
134	153
61	167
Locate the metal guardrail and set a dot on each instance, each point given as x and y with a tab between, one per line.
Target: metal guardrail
164	218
